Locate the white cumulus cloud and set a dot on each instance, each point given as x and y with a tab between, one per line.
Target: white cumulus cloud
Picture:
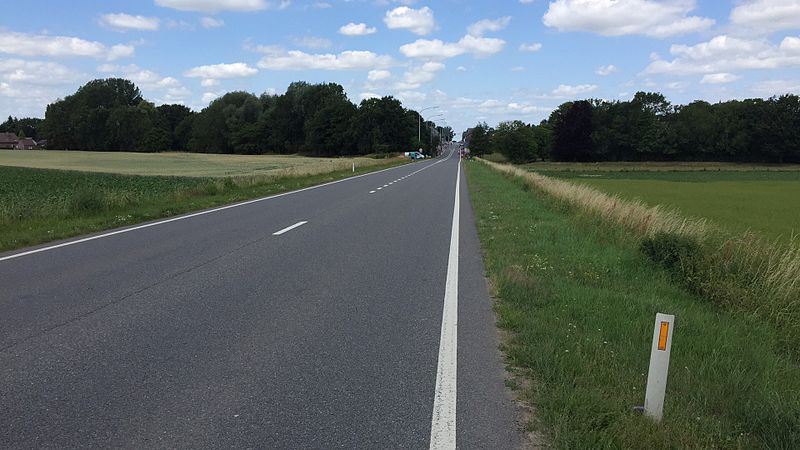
210	6
36	72
481	27
347	60
728	54
356	29
215	71
209	97
567	91
532	47
620	17
416	76
777	87
161	89
313	42
24	44
379	75
124	22
210	22
766	16
368	95
437	49
719	78
418	21
606	70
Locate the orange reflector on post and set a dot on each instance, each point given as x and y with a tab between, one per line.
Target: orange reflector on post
662	336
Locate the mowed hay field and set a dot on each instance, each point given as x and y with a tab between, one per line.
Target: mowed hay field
179	164
761	199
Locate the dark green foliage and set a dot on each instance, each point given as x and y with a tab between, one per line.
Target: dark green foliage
108	115
516	141
311	119
176	122
682	255
382	125
478	140
649	128
572	132
27	127
87	201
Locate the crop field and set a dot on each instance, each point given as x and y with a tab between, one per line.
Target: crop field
43	204
756	199
179	164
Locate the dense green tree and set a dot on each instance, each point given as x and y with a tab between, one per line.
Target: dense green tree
101	115
318	119
170	118
480	140
516	141
572	132
329	117
382	125
26	127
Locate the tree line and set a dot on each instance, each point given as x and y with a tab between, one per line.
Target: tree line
311	119
26	127
650	128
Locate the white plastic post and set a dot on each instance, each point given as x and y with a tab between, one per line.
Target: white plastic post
659	366
354	167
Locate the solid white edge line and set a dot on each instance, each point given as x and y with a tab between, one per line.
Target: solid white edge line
443	422
290	228
188	216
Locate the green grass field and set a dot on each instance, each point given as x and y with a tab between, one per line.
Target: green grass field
767	202
177	164
578	299
41	205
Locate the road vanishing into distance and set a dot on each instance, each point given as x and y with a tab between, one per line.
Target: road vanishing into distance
349	315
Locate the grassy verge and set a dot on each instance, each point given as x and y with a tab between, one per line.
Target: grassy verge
744	273
578	298
38	205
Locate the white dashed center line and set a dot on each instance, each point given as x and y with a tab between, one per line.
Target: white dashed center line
289	228
406	176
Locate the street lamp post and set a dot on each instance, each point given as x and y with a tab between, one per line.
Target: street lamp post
419	121
430	127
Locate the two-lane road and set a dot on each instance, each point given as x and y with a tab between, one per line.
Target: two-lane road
307	320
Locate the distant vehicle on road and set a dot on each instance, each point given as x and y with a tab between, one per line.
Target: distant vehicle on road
416	155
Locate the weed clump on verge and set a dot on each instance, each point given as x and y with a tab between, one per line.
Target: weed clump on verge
87	201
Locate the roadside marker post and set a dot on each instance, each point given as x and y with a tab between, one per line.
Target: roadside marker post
659	366
354	167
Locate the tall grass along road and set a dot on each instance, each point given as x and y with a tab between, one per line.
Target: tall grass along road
311	319
577	295
741	272
760	201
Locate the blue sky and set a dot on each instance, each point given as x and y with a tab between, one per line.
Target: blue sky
476	61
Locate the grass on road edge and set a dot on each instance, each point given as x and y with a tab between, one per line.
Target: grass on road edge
578	300
41	205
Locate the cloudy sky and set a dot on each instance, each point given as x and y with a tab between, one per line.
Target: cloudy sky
475	60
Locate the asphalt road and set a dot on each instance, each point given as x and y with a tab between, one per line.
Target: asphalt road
221	331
